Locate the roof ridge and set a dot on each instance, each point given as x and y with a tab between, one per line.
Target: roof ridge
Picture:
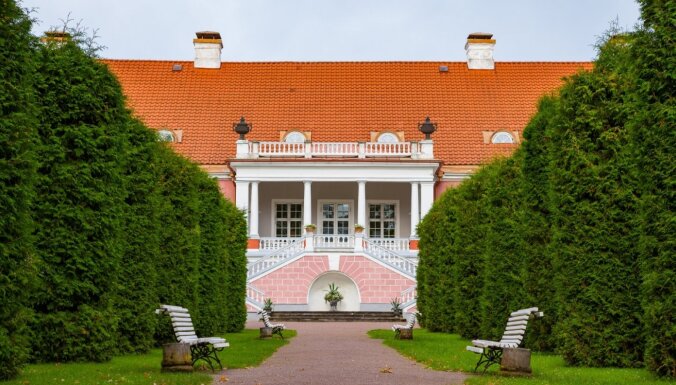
348	61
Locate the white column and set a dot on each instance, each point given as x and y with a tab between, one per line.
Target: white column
426	197
242	197
415	210
253	221
307	203
361	203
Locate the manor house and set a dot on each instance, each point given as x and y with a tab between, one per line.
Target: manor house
335	163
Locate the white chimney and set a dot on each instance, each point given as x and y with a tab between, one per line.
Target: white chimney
479	49
208	47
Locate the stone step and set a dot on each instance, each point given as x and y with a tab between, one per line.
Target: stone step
335	316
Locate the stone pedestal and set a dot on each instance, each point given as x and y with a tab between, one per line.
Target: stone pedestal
515	361
405	334
266	333
176	357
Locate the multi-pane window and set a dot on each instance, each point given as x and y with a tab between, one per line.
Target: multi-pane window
288	220
382	220
335	218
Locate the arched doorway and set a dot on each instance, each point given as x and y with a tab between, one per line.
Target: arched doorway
346	286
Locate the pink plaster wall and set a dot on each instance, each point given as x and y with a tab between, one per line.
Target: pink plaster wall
376	283
291	283
443	186
227	189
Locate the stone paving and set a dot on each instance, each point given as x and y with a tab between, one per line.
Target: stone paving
336	353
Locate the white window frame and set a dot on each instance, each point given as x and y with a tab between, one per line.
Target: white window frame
293	133
387	134
320	203
497	138
273	216
397	217
165	135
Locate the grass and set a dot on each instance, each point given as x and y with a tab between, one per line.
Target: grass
442	351
245	350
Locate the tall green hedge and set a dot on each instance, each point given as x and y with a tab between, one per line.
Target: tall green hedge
79	207
17	177
468	248
653	141
503	286
535	226
234	292
435	270
593	208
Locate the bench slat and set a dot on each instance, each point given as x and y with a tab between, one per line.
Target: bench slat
527	311
516	323
520	327
518	318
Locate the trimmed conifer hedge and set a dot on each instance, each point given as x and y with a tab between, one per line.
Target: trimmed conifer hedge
17	177
101	223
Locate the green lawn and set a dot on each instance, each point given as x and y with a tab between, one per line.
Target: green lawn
442	351
245	350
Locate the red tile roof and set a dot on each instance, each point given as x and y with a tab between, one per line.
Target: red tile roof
338	101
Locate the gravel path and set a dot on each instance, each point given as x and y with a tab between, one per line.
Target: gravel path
336	353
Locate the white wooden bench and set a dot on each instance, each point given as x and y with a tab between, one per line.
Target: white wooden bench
200	348
491	351
409	326
276	328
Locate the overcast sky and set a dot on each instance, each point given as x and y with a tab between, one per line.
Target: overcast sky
343	30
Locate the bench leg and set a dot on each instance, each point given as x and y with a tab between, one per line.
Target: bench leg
490	356
206	353
278	331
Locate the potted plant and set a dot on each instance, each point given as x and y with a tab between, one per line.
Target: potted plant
396	307
268	305
358	228
333	296
311	228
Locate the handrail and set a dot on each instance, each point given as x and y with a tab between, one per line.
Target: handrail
274	258
403	265
409	296
255	296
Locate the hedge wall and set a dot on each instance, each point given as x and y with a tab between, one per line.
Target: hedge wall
653	140
101	222
579	222
17	178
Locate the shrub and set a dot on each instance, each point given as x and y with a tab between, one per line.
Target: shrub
18	139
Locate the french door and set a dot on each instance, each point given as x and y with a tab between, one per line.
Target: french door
335	221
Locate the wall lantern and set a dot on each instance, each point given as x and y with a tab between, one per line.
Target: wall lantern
427	128
242	128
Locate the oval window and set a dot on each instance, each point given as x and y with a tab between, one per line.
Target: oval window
388	137
165	136
294	137
502	137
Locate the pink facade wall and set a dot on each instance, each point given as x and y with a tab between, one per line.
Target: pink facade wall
377	284
443	186
227	189
291	283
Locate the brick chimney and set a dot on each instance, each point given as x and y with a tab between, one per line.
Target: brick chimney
208	47
479	48
58	37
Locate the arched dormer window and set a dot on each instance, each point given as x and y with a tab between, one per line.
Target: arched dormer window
502	137
166	136
294	137
387	137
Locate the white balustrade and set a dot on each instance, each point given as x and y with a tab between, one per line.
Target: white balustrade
335	149
402	149
255	295
393	244
330	149
404	265
281	149
274	258
334	241
409	296
272	243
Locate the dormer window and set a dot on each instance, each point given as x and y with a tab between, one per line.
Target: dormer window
502	137
387	137
294	137
166	136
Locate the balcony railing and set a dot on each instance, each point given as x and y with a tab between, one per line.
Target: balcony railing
334	241
256	150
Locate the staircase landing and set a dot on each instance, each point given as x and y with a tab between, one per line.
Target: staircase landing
335	316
